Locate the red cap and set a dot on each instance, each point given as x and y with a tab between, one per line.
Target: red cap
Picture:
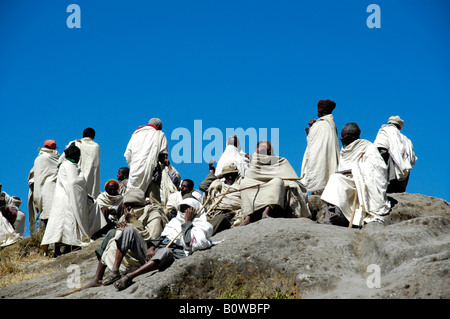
50	144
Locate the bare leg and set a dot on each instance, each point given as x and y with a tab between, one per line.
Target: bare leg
96	281
266	212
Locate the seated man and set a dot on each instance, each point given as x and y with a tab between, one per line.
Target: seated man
271	188
188	232
233	153
397	152
174	199
361	169
226	213
122	177
110	202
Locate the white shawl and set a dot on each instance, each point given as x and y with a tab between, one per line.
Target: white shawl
89	163
369	177
43	176
321	156
233	154
200	232
400	149
8	235
142	153
73	217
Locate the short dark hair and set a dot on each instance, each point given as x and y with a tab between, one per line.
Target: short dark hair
89	132
125	170
189	182
352	129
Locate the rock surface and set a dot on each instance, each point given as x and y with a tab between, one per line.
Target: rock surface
299	258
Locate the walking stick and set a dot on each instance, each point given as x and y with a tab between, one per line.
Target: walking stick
354	208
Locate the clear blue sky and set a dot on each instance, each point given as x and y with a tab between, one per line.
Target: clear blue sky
231	64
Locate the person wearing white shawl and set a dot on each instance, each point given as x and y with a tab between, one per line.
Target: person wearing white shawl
109	203
42	182
275	188
398	154
233	153
361	172
74	217
8	216
89	161
170	180
188	232
146	147
225	209
321	156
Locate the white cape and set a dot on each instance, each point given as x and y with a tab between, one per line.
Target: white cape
74	217
142	153
89	163
233	154
321	156
42	177
8	235
369	178
400	149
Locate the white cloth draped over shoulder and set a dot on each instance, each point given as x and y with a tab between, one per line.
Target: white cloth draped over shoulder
74	217
167	185
368	177
269	172
42	177
8	235
236	155
141	154
89	163
200	232
321	156
400	149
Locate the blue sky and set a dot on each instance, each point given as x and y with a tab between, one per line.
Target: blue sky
229	64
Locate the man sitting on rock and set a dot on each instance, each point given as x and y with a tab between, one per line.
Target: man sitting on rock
226	213
271	188
187	232
362	173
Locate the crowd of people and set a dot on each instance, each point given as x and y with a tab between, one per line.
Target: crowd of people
149	215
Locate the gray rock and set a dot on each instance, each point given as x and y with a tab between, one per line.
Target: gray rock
296	257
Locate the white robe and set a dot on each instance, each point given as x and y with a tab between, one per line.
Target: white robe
89	163
369	178
269	172
74	217
141	154
200	232
43	178
8	235
167	186
321	156
233	154
400	149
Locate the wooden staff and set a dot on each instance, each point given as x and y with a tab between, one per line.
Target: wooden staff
354	208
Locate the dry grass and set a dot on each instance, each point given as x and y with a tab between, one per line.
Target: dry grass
17	260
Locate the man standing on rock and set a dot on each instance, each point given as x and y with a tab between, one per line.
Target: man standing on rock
358	189
321	156
398	154
146	148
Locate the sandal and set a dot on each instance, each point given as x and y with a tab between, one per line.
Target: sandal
112	277
123	283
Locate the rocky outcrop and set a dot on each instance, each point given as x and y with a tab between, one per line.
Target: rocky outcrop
407	257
